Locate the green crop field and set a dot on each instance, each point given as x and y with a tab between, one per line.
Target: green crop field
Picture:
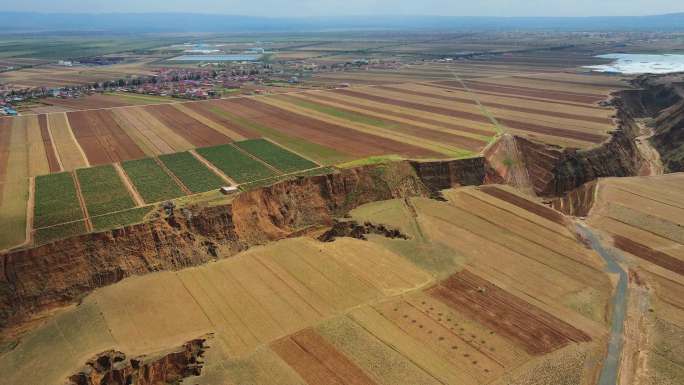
62	231
103	190
194	175
280	178
234	163
120	219
276	156
56	200
151	181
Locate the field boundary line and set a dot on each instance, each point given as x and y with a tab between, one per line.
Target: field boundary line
173	176
30	208
151	205
137	198
183	107
212	168
272	168
500	130
73	137
81	201
394	119
54	145
379	132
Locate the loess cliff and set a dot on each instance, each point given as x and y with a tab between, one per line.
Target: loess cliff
56	274
659	101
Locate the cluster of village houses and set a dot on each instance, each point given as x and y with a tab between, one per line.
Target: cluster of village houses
206	82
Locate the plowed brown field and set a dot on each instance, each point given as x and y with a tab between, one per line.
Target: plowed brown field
101	138
536	330
327	134
50	151
192	130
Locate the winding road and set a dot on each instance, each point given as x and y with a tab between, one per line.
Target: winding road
611	365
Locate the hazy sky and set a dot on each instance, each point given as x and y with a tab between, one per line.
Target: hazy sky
278	8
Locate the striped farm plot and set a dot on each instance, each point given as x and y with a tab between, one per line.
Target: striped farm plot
246	121
103	190
391	120
429	148
192	172
301	124
644	220
56	200
531	122
554	123
237	164
248	302
278	157
150	180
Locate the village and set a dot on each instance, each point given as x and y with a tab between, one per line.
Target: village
200	82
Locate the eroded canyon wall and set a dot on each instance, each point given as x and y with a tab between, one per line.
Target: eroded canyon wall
60	273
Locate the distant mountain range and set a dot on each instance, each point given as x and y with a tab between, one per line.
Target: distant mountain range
180	22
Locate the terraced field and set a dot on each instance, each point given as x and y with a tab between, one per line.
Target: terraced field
300	311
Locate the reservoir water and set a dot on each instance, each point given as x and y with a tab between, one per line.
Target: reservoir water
632	64
216	58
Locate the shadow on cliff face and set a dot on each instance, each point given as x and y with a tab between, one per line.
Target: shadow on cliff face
113	368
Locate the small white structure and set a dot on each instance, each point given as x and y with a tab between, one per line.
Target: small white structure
228	189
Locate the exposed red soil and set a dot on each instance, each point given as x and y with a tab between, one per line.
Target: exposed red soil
204	109
5	133
101	138
509	107
331	358
537	331
405	116
304	363
341	138
420	132
527	91
553	131
458	87
192	130
542	211
47	143
477	117
654	256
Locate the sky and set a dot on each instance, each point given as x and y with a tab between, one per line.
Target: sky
304	8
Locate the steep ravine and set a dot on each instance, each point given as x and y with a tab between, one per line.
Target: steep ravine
56	274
